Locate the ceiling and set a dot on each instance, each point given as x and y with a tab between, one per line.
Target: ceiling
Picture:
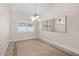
29	8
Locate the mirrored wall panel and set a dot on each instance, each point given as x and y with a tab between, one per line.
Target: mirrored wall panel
57	24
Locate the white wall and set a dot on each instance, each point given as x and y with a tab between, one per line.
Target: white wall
4	28
71	38
14	35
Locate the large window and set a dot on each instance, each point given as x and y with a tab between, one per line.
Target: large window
45	25
25	26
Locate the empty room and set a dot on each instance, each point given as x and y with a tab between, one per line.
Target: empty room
39	29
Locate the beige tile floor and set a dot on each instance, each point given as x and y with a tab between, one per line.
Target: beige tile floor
33	47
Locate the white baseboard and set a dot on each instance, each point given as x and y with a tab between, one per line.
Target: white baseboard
20	39
5	49
62	46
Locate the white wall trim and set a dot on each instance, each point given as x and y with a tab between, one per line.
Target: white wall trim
20	39
74	50
5	49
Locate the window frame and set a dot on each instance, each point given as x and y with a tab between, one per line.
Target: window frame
24	21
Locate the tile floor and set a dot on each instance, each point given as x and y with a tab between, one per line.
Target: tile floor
32	47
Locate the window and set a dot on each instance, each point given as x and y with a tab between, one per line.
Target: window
45	25
25	26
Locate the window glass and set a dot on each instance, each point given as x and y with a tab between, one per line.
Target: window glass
25	26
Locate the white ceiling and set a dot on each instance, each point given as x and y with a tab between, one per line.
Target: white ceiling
29	8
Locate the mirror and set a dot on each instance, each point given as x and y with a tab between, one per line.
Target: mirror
58	24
